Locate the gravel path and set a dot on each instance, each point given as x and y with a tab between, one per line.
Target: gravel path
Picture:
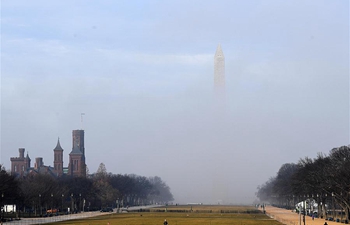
291	218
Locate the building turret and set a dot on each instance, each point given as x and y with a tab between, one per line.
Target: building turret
77	166
21	153
27	161
19	165
38	163
58	159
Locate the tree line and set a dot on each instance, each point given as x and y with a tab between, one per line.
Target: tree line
39	193
325	179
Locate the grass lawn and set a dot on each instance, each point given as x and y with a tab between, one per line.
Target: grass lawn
234	215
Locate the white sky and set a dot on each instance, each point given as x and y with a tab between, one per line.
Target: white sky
142	72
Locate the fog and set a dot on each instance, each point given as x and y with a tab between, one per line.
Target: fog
142	73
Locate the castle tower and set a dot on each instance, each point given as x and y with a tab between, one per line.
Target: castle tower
19	165
58	159
77	166
27	161
38	163
219	71
78	140
21	153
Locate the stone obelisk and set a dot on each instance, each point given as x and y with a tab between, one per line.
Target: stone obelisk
219	72
220	181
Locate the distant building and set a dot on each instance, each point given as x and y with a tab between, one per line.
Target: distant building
219	71
20	166
58	159
77	166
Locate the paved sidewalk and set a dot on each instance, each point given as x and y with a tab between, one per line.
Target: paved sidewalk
291	218
47	220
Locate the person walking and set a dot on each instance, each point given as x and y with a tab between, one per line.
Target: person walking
165	222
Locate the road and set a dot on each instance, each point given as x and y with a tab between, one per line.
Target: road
46	220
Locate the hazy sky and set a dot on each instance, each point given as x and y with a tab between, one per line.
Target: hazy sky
142	72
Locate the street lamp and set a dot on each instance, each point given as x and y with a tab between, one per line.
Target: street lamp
333	206
62	203
51	203
41	210
72	201
3	206
80	202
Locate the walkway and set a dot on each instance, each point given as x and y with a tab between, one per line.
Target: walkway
291	218
46	220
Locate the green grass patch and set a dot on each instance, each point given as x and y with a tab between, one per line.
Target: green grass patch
241	216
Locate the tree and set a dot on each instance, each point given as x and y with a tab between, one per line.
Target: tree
39	191
282	185
44	191
340	177
76	190
324	179
9	188
106	194
101	171
265	192
160	191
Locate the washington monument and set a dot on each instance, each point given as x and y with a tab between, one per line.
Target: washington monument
220	182
219	71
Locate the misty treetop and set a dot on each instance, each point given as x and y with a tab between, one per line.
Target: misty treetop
325	179
96	191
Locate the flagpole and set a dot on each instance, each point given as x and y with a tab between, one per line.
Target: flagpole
81	115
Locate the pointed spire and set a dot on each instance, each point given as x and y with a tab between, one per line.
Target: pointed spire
58	146
27	155
219	52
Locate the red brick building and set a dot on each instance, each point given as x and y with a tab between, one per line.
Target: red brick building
77	166
20	166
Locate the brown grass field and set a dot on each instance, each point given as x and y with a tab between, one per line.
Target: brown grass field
183	215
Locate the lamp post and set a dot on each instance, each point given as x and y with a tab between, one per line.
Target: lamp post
62	203
326	206
341	209
41	210
51	203
3	206
318	205
333	206
80	202
71	196
304	210
299	208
